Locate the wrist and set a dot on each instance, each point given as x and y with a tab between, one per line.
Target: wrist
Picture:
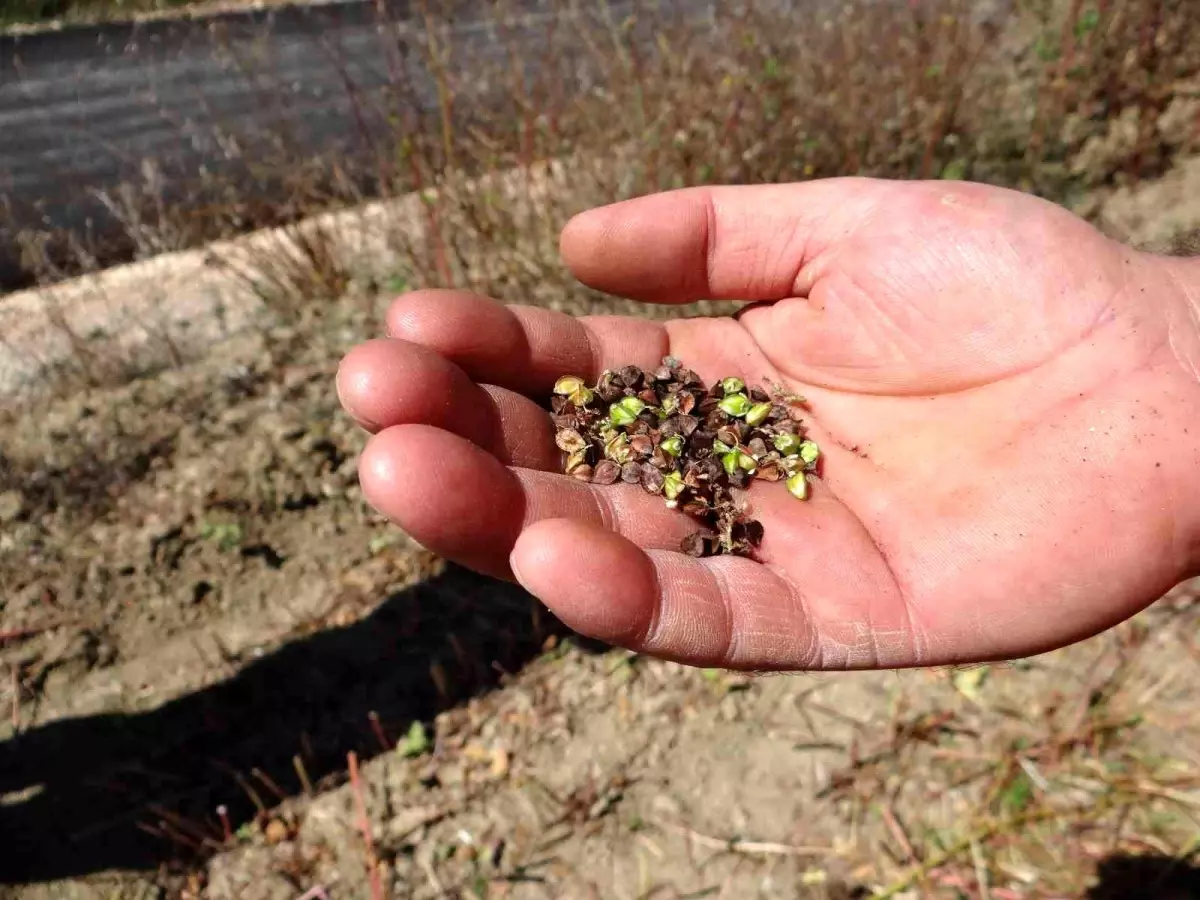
1175	288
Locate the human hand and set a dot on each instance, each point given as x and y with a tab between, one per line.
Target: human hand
1002	395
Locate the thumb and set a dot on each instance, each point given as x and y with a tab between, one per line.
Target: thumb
719	243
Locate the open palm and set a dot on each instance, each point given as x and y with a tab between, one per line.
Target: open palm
1000	392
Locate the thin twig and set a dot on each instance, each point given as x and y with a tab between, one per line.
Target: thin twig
749	848
364	825
898	832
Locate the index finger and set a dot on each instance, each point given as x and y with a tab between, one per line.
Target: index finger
523	348
714	243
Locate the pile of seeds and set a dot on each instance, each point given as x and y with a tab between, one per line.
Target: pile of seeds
694	445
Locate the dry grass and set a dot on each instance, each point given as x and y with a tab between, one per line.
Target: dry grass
1053	97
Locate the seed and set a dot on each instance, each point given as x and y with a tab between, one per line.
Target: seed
672	446
641	445
582	397
652	479
570	440
606	472
687	402
732	385
687	424
631	473
568	385
698	545
630	376
583	473
687	377
809	452
771	471
735	405
758	395
671	362
758	447
746	461
575	460
632	405
695	507
672	485
797	486
787	444
758	413
607	389
618	449
670	403
662	373
716	419
620	416
730	462
748	530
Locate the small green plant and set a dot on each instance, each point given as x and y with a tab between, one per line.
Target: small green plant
415	742
226	535
1017	796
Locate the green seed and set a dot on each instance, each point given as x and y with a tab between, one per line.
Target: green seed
730	462
721	448
672	446
618	449
747	462
758	413
809	452
576	459
568	385
797	486
625	411
732	385
672	485
583	396
736	404
787	444
670	403
621	417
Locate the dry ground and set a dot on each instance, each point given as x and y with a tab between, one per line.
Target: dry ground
201	614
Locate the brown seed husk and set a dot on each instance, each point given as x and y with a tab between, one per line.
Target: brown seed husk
606	472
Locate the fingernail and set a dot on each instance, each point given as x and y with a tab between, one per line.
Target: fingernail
512	564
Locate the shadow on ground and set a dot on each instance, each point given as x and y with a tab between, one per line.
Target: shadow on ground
103	778
1125	877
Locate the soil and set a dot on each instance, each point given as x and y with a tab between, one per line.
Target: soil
200	612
